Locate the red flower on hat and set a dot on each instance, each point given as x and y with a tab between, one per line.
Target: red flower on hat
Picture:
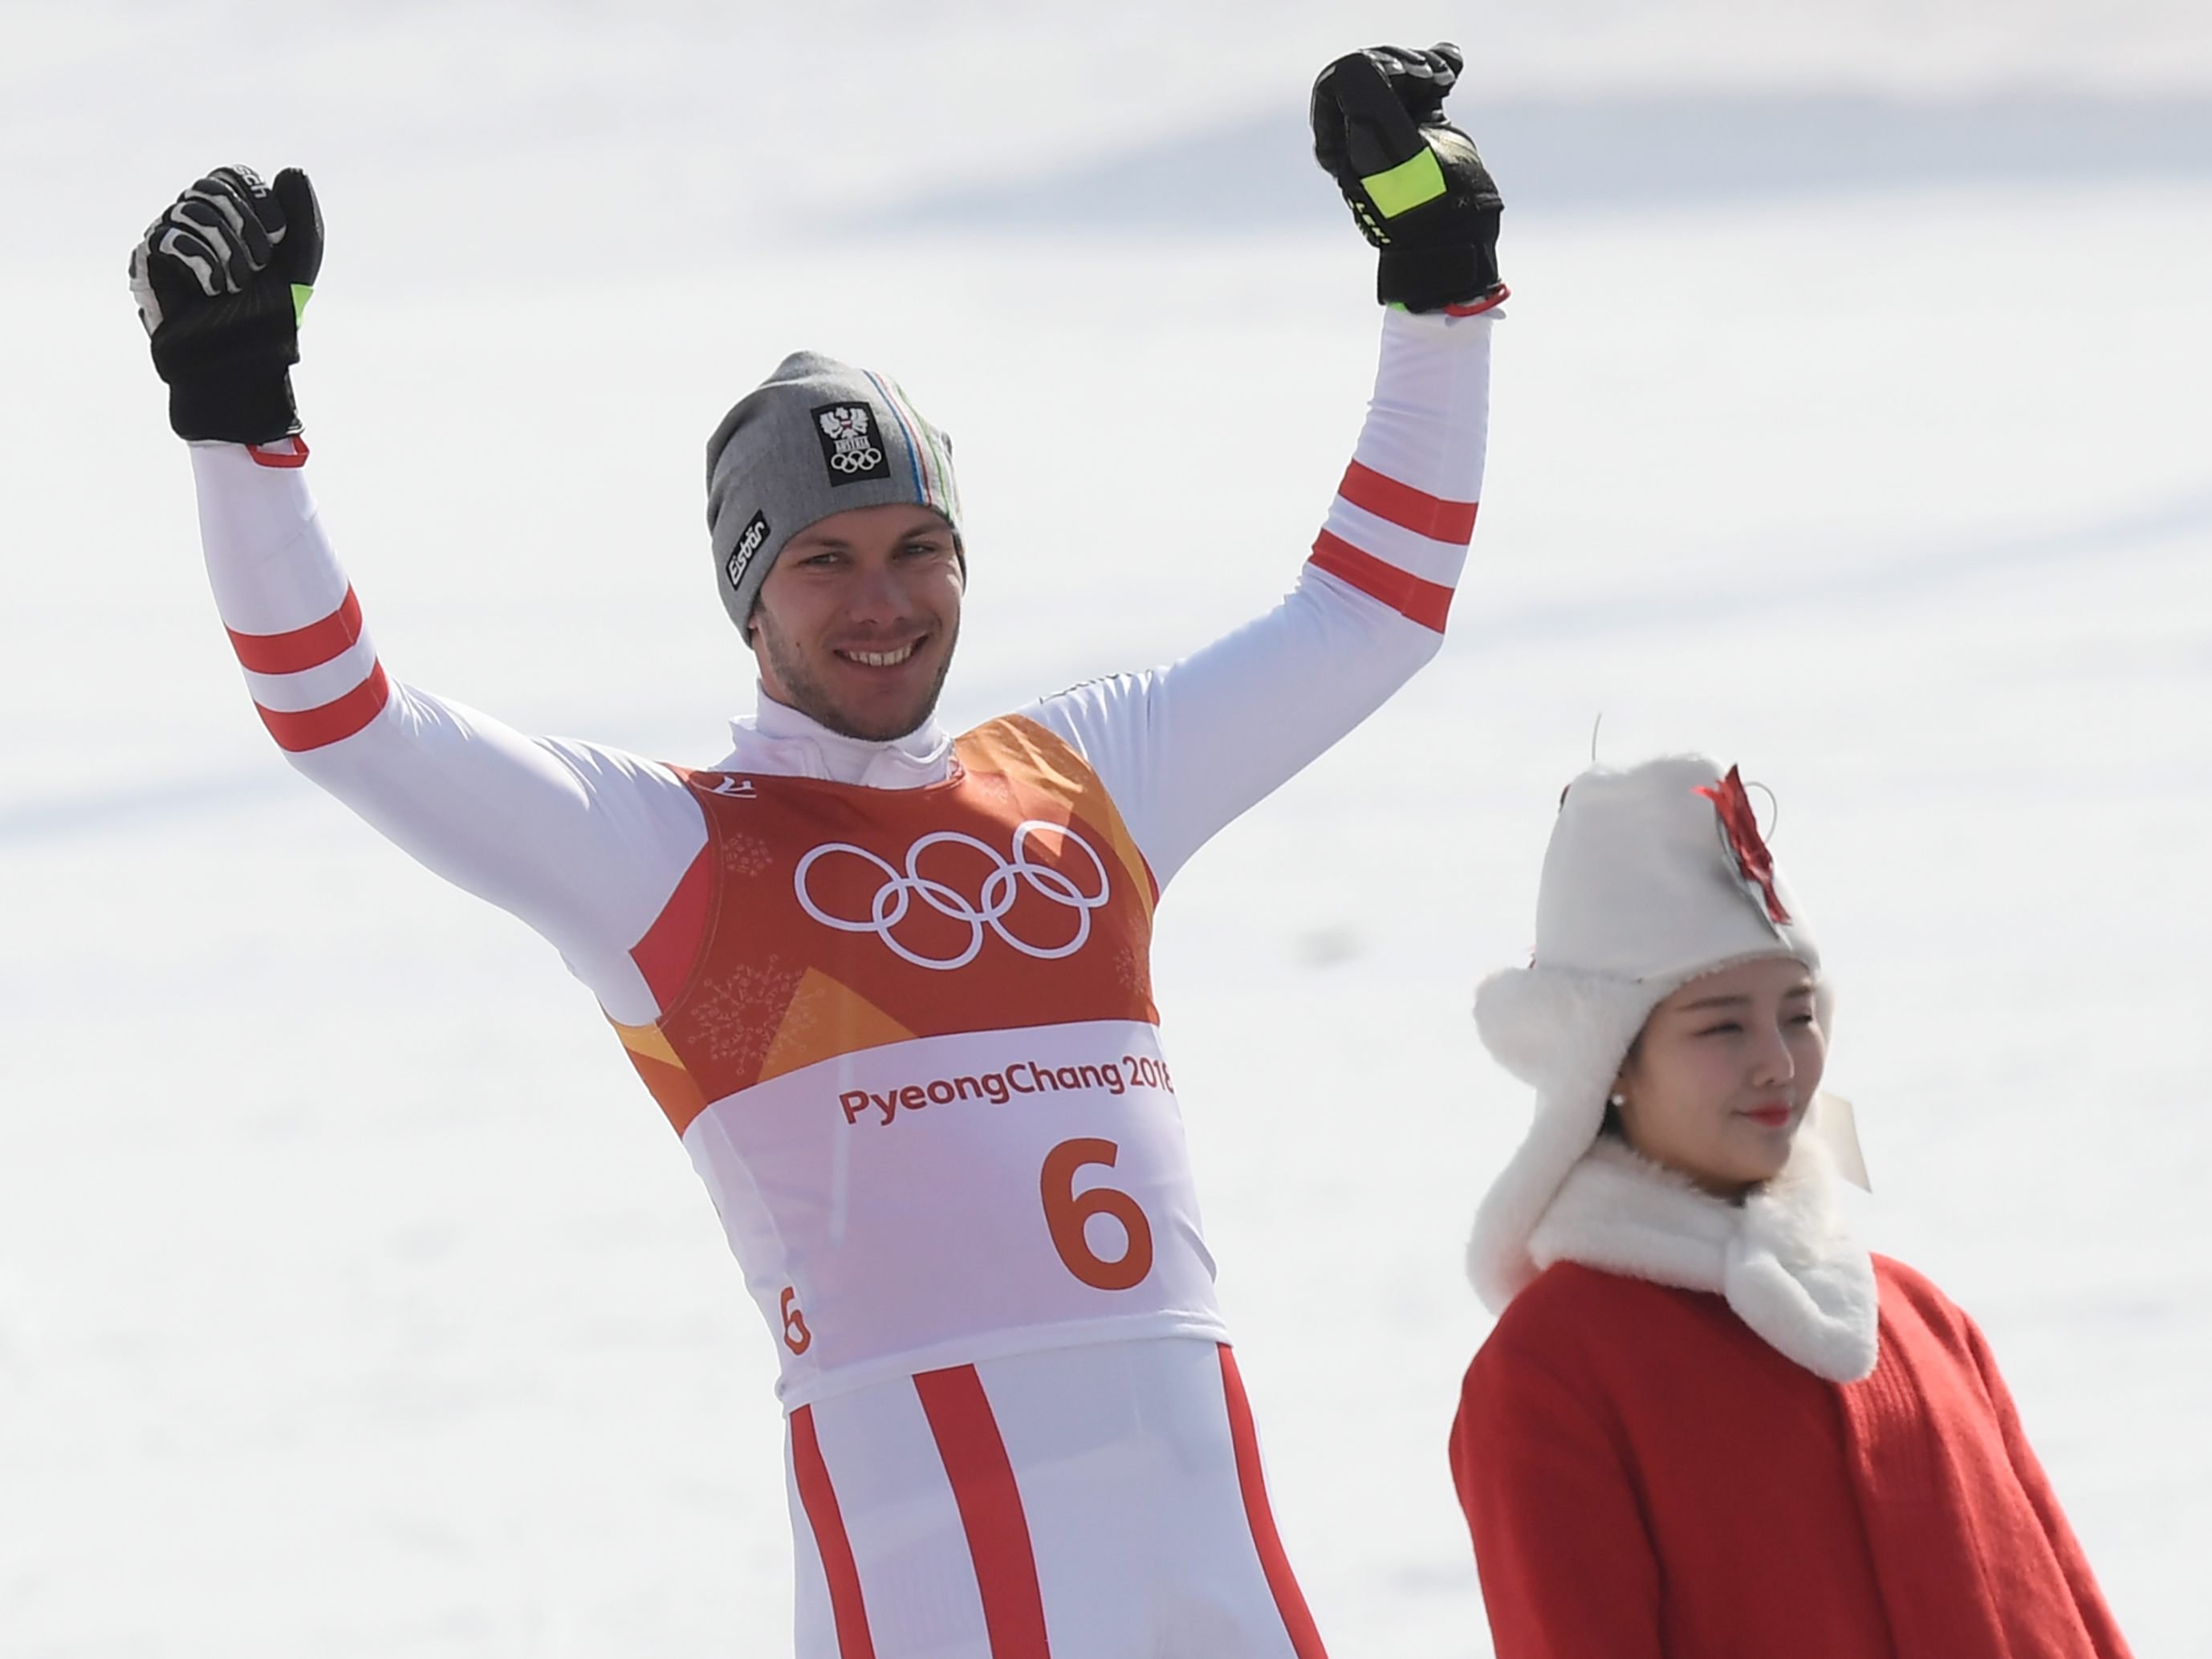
1753	861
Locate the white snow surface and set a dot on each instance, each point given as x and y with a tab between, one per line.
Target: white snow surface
355	1299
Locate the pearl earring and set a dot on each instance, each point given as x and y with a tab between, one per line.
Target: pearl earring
1616	1099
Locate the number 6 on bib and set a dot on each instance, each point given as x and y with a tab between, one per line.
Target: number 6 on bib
1067	1210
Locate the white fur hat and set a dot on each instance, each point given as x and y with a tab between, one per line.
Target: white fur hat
1654	876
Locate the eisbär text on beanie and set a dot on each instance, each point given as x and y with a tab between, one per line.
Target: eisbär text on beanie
815	438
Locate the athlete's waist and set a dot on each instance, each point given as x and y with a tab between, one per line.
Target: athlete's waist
1138	1333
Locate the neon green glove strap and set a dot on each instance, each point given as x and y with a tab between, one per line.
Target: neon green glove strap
1406	186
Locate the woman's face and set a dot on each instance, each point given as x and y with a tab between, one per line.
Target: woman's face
1723	1073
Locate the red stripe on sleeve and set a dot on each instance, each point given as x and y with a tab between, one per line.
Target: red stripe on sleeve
991	1513
666	955
1289	1600
315	728
303	648
823	1518
1409	508
1426	602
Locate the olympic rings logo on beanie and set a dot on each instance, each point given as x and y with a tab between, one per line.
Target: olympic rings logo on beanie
851	454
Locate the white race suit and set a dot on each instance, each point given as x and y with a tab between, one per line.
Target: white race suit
895	999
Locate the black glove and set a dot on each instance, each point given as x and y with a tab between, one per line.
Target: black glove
221	280
1411	180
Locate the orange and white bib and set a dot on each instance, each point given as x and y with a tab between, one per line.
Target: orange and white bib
912	1050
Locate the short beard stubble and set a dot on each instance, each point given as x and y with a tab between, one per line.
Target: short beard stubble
810	700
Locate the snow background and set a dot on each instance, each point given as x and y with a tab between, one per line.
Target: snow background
1850	422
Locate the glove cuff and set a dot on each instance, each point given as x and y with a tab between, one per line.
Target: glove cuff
235	408
1430	278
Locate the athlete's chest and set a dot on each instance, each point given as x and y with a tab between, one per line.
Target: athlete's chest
838	917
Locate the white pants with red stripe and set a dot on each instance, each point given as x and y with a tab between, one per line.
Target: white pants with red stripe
1103	1501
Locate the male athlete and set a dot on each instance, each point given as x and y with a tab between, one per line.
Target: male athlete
889	985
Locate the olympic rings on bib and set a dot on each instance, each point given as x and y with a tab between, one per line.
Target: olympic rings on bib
987	910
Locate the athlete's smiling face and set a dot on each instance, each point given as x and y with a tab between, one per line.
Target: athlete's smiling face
857	620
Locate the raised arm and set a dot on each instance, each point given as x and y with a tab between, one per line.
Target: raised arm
1185	749
582	844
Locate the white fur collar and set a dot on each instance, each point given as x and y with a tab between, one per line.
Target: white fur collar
1784	1258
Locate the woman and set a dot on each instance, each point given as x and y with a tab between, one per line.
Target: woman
1708	1423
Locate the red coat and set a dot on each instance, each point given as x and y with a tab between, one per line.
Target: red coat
1645	1477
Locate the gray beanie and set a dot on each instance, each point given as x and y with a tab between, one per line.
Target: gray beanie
816	437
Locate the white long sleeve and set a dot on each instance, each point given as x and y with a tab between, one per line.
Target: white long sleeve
582	844
1184	750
